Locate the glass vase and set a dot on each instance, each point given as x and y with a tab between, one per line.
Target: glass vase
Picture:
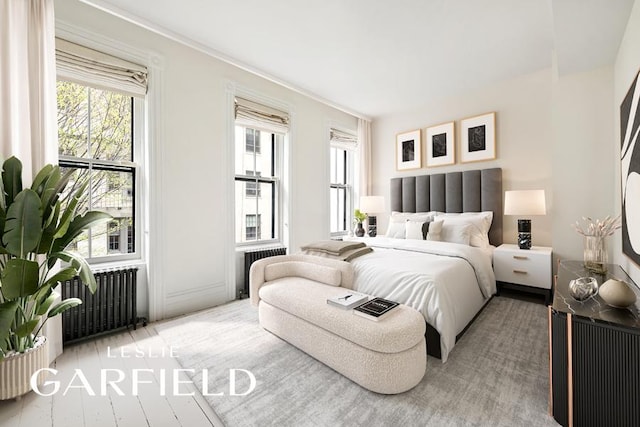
595	254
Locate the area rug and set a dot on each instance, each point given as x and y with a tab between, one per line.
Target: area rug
497	375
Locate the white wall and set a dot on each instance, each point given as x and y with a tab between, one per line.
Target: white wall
582	156
553	133
626	67
194	264
523	141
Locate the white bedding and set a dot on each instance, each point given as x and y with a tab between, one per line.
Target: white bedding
447	282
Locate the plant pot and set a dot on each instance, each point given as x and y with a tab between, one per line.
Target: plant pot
17	368
360	230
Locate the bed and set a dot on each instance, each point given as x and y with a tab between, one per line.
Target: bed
449	283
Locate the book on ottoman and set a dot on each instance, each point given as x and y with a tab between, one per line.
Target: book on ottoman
348	300
375	309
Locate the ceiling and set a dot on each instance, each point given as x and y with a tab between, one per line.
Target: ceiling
376	57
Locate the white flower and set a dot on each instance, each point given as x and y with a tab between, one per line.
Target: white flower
598	228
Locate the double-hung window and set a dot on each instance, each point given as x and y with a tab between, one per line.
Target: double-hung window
100	129
260	132
342	159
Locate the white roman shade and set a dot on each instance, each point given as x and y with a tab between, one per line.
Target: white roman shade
253	114
93	68
342	139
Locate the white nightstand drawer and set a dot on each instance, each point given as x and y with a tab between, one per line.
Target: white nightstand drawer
523	267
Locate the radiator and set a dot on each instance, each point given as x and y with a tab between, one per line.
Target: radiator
112	307
250	257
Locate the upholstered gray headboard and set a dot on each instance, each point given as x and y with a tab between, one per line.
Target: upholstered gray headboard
467	191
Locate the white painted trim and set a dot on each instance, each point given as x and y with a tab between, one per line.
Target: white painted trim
158	29
230	238
155	185
200	290
152	251
188	300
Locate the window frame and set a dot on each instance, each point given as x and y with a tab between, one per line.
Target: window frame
134	166
348	186
275	181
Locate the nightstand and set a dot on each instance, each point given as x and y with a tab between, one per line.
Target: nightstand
524	269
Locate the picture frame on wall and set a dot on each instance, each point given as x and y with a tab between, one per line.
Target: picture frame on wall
478	138
630	172
408	150
440	142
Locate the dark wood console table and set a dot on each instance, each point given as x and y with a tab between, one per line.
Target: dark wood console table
594	371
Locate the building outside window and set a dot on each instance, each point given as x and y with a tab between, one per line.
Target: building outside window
257	184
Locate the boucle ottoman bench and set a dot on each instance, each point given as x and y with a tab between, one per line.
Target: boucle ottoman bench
388	356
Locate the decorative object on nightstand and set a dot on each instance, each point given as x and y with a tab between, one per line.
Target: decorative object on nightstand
524	270
369	205
617	293
595	248
524	202
358	217
583	288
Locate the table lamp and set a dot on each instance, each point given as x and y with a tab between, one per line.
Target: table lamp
369	205
524	202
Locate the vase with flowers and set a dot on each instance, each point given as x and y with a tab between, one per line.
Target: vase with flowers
359	217
594	233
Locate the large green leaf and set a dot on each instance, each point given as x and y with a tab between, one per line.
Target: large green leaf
64	306
12	178
46	304
23	227
70	211
82	267
19	278
26	329
78	225
41	178
7	315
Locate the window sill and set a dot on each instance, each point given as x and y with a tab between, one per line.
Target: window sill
259	246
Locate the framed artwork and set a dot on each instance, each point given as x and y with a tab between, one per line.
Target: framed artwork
408	150
440	142
478	138
630	172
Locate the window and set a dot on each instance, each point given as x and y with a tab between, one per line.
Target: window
257	184
342	159
252	188
252	141
260	134
96	138
252	230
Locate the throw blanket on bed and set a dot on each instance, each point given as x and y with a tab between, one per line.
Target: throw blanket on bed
447	282
343	251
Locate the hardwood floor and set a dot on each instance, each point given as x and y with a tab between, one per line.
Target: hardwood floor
73	405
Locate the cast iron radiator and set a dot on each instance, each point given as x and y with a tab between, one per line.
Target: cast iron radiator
110	308
250	257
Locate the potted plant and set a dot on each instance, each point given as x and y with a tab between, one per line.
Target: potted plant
36	226
359	218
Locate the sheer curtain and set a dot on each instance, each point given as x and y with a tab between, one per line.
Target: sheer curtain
28	118
364	144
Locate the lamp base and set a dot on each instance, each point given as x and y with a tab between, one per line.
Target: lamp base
524	240
373	226
524	233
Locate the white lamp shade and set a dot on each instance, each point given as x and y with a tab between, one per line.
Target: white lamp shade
524	202
372	204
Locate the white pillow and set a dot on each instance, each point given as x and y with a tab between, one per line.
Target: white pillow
479	222
417	216
435	230
456	233
414	230
396	228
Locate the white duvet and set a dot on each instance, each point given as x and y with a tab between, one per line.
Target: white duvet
447	282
